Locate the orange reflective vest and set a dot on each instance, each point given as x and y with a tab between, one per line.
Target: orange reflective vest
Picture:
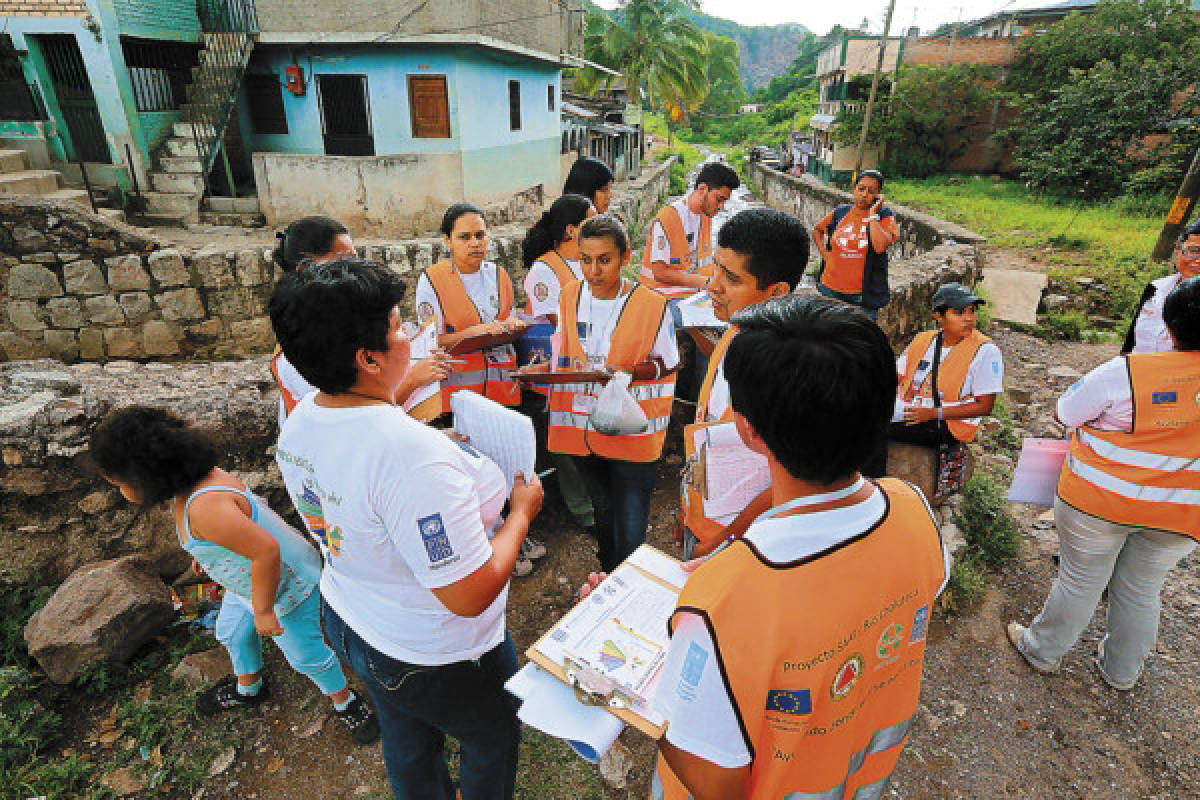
562	271
952	374
487	372
1148	477
637	327
702	527
696	262
822	656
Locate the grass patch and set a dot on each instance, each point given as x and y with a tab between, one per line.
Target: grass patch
1114	238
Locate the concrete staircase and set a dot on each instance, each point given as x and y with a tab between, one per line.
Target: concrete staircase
17	178
178	184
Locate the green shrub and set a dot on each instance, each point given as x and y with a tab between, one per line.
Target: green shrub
1068	325
1002	436
990	531
678	179
966	580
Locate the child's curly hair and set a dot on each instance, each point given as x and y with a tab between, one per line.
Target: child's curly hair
157	452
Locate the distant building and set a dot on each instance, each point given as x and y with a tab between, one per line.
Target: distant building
851	55
751	108
605	126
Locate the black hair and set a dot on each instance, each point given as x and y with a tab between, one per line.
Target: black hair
158	453
1190	230
603	225
717	175
586	176
457	210
324	314
775	242
551	227
871	173
1181	313
307	237
816	379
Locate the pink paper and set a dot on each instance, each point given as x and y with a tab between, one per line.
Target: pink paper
1035	479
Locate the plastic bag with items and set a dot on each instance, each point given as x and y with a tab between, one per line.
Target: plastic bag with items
616	412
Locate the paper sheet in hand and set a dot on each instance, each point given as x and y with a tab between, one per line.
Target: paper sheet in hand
503	435
733	473
423	342
697	312
549	705
1035	479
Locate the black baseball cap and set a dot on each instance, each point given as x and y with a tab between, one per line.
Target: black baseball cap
956	296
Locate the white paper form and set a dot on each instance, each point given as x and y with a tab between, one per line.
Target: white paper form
733	473
696	311
1035	480
422	343
550	706
501	434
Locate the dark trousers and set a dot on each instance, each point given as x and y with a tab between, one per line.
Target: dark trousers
926	434
420	705
620	492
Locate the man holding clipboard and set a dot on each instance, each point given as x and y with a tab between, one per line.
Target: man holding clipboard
761	253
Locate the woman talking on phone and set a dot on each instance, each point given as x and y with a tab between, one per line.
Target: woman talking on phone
853	240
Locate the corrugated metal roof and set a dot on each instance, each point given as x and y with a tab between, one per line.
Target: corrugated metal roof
576	111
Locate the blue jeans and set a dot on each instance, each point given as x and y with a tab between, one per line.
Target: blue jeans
620	492
301	641
852	299
419	705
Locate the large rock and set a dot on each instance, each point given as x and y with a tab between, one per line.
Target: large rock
918	466
204	668
102	612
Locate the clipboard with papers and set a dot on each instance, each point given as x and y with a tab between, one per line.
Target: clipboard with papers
486	341
610	648
720	471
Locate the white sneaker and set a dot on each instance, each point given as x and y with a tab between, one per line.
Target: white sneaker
1015	631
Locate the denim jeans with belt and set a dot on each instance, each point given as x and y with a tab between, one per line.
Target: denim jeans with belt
1095	553
620	492
852	299
419	705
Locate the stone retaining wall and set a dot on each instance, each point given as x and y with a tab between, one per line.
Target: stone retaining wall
929	252
77	287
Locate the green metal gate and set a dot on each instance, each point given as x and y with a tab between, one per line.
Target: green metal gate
69	78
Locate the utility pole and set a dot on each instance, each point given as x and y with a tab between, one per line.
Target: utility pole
862	137
1181	211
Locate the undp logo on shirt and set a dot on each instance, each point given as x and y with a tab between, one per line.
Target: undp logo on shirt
433	534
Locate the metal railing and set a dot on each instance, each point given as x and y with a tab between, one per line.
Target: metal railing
229	28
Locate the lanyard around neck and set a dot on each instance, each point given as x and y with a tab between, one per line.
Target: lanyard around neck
812	500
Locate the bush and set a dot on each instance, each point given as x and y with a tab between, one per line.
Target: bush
990	531
1068	325
678	179
910	164
966	580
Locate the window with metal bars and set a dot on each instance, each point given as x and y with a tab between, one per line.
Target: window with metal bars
19	101
160	71
514	105
264	97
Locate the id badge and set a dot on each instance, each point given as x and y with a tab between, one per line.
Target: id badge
583	404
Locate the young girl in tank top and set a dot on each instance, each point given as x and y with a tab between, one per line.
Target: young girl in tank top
268	570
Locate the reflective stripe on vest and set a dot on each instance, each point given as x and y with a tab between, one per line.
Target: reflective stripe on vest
837	638
1150	476
952	374
569	428
702	527
477	374
681	252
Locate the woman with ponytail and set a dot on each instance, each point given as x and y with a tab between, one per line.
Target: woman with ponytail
550	252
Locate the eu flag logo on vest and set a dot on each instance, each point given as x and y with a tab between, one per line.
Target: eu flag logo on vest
1164	398
795	703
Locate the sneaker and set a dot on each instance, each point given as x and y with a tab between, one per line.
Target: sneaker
361	720
1015	631
1121	686
522	568
532	549
225	697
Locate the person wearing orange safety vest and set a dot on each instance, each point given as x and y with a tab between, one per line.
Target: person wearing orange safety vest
794	664
761	253
949	378
607	322
469	296
1128	505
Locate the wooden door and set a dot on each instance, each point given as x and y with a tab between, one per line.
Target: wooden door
430	106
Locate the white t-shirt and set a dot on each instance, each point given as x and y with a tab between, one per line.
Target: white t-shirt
660	247
718	395
291	381
542	287
691	693
481	286
598	319
1149	331
985	376
1102	399
399	509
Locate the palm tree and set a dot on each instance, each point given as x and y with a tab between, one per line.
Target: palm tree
661	53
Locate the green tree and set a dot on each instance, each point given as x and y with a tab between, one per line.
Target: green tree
1144	29
924	123
656	47
725	90
1116	121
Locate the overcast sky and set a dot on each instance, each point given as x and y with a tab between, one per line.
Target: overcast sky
821	16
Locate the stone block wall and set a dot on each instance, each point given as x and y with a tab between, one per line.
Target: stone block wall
929	252
43	8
